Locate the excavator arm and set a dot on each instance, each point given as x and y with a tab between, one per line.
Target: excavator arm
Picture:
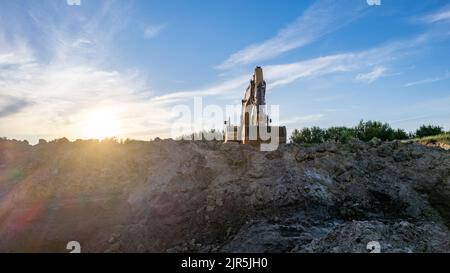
253	114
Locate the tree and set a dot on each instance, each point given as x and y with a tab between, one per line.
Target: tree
339	134
400	134
308	135
429	130
370	129
60	140
364	131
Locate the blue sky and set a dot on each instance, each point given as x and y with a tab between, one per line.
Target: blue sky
121	66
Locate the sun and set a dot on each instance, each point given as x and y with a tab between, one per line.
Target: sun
100	125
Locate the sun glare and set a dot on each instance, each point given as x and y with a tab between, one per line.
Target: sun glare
100	125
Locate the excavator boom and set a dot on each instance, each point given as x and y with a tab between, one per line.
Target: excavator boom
253	116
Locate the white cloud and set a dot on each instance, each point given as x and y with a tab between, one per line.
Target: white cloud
323	17
372	76
60	96
13	51
440	15
152	31
222	89
283	74
66	96
73	2
276	75
429	80
279	75
52	98
303	119
10	105
82	42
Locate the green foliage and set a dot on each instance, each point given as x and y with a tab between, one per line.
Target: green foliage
296	136
429	130
368	130
203	136
339	134
401	134
308	135
60	141
364	131
110	140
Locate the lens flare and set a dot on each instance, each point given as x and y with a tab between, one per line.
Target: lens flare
100	125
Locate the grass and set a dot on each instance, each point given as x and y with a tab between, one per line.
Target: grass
442	138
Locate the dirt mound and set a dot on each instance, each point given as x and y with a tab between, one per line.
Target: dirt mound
212	197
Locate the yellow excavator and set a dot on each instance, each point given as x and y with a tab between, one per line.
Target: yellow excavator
255	126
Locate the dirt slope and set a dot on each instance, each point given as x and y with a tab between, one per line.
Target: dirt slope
212	197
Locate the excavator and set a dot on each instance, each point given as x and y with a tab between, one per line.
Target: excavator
255	126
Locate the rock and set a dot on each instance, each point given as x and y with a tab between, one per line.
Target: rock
304	157
384	150
401	156
113	239
375	142
219	202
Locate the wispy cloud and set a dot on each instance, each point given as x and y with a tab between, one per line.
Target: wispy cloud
323	17
279	75
61	91
442	14
432	110
334	97
11	105
220	89
81	43
283	74
372	76
151	31
276	75
60	98
54	97
303	119
13	50
415	118
429	80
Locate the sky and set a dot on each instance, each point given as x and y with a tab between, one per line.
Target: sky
90	68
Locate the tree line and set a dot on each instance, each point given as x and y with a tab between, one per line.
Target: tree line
365	131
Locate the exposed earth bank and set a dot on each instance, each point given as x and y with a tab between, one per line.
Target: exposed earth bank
169	196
